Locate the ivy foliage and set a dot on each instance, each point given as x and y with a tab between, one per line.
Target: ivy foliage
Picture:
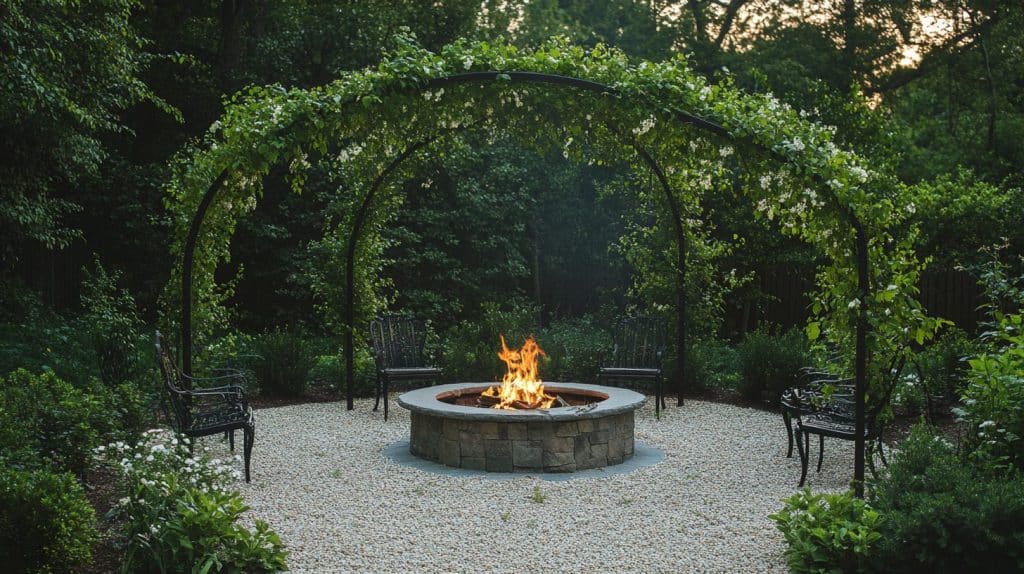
356	127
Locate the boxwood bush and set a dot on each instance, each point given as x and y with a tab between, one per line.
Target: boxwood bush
945	516
46	524
769	361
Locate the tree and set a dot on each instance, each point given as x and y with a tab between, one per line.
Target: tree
69	70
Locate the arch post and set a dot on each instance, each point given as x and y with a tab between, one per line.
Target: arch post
680	232
350	264
861	368
187	266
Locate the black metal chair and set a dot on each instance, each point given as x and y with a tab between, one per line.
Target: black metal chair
637	356
398	353
202	411
837	419
808	391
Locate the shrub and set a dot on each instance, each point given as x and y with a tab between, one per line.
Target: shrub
180	515
51	418
113	325
993	403
944	516
328	371
284	359
470	347
574	349
46	524
828	532
712	364
769	362
944	363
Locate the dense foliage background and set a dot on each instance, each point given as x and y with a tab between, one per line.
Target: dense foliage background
99	97
86	176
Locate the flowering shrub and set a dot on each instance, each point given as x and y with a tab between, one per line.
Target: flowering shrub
180	514
828	532
993	403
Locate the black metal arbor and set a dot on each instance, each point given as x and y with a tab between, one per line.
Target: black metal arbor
861	240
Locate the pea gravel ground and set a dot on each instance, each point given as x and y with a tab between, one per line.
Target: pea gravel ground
322	480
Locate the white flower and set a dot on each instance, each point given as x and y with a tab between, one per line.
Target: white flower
796	145
766	181
987	424
725	151
860	173
644	127
467	62
911	209
855	303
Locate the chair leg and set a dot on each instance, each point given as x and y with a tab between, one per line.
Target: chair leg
231	439
804	445
376	402
788	421
821	450
248	438
386	400
657	399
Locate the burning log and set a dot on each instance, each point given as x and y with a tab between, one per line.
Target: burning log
487	401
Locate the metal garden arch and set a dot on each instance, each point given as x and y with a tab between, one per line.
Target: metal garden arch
861	240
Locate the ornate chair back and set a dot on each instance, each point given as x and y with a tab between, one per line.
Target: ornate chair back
398	341
639	343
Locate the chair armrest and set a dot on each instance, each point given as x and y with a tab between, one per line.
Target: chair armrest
227	395
198	382
225	389
232	393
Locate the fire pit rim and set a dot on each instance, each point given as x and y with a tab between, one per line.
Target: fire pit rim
424	400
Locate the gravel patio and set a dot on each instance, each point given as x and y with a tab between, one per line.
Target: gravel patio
322	478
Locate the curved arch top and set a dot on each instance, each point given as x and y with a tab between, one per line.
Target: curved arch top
860	247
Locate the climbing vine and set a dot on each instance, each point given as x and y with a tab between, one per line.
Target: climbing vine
354	127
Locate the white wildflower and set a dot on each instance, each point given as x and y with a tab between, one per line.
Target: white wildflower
853	304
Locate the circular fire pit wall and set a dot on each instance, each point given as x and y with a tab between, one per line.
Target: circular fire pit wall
597	431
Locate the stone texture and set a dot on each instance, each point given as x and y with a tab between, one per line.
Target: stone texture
526	454
534	446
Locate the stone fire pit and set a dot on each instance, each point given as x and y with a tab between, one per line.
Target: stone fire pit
597	431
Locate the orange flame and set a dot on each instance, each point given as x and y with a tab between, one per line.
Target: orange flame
521	388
